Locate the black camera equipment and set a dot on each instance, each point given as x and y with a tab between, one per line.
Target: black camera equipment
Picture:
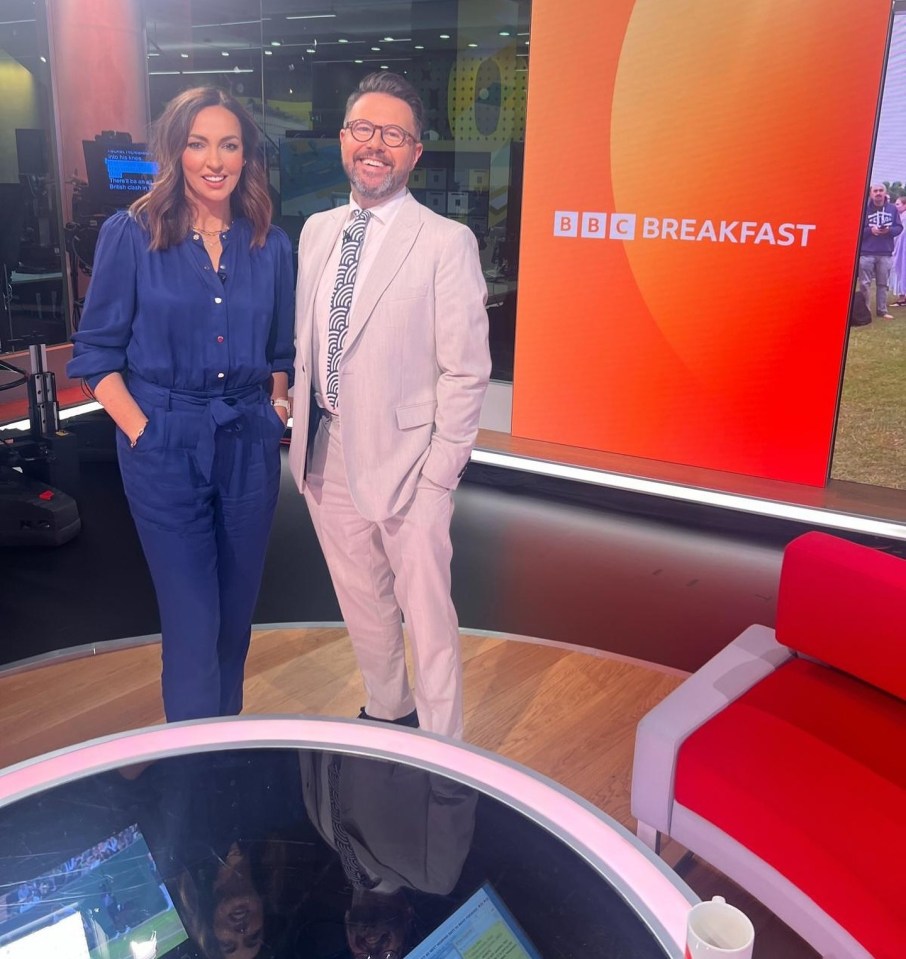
37	464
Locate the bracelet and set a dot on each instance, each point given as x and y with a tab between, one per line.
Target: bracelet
283	403
138	436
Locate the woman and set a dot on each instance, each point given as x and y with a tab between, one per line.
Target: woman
187	341
241	903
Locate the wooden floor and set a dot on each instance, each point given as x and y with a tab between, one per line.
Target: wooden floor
568	714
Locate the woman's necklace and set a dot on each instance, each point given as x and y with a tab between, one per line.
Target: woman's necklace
198	229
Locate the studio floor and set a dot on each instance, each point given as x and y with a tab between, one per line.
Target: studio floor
568	714
578	615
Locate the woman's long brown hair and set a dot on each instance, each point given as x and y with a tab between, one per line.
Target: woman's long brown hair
164	209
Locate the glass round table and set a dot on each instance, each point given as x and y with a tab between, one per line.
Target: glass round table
277	838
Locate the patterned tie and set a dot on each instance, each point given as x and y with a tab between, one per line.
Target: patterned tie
353	869
338	323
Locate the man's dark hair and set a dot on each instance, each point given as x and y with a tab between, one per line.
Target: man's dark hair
382	81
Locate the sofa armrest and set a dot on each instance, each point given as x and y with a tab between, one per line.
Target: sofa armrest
754	654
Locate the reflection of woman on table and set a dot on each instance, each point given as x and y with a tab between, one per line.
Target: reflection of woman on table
228	902
186	339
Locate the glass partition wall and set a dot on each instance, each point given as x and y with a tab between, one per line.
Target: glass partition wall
32	275
294	64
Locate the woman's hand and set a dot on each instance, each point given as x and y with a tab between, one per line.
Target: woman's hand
113	395
135	436
279	390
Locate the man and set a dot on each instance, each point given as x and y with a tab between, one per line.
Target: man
392	338
393	825
880	226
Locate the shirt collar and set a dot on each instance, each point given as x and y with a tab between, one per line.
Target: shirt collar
384	211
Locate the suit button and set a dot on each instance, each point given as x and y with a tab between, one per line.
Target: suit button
220	376
218	299
219	339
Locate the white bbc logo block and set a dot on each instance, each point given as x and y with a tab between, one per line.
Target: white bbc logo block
594	225
566	223
622	226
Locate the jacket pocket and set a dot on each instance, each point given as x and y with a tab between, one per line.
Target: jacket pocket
395	293
420	414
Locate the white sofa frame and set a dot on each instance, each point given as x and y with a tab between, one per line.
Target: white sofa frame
752	656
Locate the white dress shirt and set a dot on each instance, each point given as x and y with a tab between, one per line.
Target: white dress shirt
382	217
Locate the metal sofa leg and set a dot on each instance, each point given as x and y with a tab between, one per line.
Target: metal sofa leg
650	836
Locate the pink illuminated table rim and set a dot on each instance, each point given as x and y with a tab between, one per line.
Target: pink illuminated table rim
656	894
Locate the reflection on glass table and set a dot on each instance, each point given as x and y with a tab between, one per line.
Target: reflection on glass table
270	838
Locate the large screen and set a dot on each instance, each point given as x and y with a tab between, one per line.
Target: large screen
311	175
481	928
107	902
685	280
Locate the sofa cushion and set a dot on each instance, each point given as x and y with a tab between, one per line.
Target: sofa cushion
808	771
845	604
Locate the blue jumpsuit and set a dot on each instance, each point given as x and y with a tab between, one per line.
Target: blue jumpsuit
196	349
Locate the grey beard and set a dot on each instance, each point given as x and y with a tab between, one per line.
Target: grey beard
390	184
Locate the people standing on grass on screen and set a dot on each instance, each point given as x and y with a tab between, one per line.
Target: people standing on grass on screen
898	270
187	341
880	227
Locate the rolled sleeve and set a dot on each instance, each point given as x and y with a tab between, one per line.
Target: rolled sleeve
281	351
106	324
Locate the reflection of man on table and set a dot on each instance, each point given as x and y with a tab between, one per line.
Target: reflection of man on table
392	335
880	226
395	828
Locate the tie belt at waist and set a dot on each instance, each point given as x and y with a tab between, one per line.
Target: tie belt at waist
219	409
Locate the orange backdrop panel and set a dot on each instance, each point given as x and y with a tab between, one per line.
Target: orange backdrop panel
704	120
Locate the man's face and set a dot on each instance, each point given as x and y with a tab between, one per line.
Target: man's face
377	925
878	195
375	170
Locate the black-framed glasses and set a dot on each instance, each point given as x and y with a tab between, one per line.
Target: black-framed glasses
391	134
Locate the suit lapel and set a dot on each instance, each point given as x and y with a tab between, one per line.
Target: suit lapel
395	248
318	253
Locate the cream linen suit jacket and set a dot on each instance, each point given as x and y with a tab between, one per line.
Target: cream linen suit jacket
416	362
406	826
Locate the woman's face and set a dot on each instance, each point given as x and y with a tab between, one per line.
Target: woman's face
239	913
213	158
239	926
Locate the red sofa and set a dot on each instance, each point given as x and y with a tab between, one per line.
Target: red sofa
782	761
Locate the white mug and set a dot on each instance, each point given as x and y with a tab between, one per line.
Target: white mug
716	930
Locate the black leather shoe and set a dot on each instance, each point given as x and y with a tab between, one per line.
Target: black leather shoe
410	720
